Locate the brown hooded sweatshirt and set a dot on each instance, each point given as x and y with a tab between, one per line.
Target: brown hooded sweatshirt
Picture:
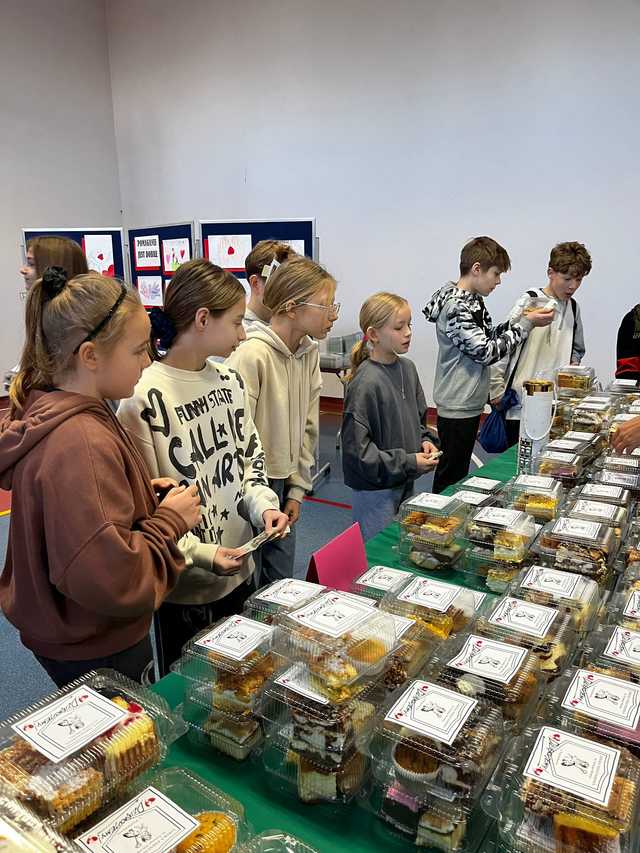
90	553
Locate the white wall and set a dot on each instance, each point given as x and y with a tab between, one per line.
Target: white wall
404	127
57	146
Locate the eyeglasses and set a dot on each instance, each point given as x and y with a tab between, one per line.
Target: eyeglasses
332	309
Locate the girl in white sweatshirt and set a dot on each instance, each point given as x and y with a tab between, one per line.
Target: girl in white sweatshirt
280	366
191	420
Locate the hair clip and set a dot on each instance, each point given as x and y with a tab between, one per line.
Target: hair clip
267	269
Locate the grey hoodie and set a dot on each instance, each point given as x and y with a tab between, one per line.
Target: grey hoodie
468	344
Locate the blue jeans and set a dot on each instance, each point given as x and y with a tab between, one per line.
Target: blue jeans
374	510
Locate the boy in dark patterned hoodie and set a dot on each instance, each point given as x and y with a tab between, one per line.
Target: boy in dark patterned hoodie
468	344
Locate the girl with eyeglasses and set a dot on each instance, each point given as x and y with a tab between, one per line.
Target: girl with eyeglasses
280	366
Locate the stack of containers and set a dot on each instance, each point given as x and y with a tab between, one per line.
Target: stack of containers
432	751
627	388
594	442
337	646
538	496
611	515
429	526
548	631
593	417
168	810
79	748
224	668
280	597
497	542
574	381
559	792
574	545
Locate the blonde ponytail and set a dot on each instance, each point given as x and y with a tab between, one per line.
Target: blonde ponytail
376	312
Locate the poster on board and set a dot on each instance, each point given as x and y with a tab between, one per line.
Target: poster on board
229	250
99	251
150	290
147	252
174	253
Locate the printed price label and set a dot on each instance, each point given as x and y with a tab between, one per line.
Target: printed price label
484	483
288	592
533	481
149	823
428	501
432	710
382	577
618	479
602	697
65	725
581	436
621	461
557	584
334	614
559	456
598	491
624	645
577	527
525	617
592	407
563	444
489	659
597	508
573	764
236	637
295	678
499	516
429	593
472	498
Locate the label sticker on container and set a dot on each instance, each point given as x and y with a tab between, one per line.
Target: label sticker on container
481	483
296	679
624	461
382	577
596	490
577	527
558	584
334	614
594	508
632	605
597	399
489	659
149	823
563	444
624	645
581	436
619	479
429	593
558	456
472	498
498	515
235	638
573	764
592	407
65	725
402	624
533	481
523	616
289	591
604	698
624	383
432	710
428	501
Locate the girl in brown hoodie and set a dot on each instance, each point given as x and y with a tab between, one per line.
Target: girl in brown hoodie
91	553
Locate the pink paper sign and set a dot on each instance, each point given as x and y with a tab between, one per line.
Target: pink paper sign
338	563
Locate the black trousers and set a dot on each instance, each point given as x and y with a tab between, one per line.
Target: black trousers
457	439
513	432
175	624
136	662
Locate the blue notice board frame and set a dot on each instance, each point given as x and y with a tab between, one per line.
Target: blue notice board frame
261	229
78	235
156	272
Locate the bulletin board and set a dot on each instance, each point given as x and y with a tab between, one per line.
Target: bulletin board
227	243
155	253
104	247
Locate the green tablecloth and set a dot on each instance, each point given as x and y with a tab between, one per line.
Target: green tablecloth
351	829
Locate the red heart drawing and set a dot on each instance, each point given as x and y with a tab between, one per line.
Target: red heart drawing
149	800
101	257
556	736
83	697
231	251
538	771
92	839
27	728
182	253
574	701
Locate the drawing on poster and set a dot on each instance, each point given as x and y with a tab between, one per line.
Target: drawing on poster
296	245
150	290
147	252
229	250
174	253
99	251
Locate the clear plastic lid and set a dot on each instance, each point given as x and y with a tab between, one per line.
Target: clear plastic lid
575	376
624	607
509	532
432	519
78	748
496	574
424	820
474	499
172	807
596	440
616	495
440	608
574	593
594	703
585	547
629	481
505	675
308	781
21	831
548	631
436	741
538	496
341	638
569	445
280	596
378	580
622	462
275	841
588	510
485	485
623	386
615	648
558	791
559	464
